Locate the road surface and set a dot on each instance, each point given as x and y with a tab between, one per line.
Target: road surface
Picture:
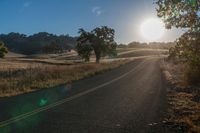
128	99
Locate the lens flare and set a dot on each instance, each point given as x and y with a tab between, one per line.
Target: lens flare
42	102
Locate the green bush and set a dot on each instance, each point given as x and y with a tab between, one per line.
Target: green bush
3	50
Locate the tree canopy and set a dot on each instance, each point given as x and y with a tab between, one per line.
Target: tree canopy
183	14
180	13
100	40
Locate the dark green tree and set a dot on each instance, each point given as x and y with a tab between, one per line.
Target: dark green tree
100	40
3	50
84	47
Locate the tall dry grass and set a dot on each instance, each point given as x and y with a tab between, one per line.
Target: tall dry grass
183	100
17	81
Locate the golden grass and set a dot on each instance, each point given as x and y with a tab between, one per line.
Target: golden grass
21	77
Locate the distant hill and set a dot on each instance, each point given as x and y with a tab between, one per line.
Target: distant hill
41	42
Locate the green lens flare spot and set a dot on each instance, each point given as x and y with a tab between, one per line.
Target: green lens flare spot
42	102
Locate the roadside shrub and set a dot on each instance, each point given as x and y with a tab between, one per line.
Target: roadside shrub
187	50
3	50
192	75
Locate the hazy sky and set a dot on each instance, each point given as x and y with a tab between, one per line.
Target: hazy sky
67	16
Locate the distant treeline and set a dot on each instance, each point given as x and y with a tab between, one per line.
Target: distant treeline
153	45
44	42
41	42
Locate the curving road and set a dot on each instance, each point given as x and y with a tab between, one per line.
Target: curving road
128	99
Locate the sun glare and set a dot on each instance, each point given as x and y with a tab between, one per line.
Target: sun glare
152	29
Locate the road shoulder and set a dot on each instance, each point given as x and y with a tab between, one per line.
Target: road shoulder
183	114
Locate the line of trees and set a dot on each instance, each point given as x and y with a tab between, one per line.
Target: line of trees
41	42
151	45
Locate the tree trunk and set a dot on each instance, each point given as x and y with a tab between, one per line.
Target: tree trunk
98	57
87	59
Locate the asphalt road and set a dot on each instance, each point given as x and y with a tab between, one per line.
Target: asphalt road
128	99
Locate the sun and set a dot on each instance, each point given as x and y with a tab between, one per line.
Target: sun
152	29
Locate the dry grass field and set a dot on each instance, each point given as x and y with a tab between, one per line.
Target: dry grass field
135	52
22	74
183	100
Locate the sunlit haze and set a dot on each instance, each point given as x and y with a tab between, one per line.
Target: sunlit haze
152	29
